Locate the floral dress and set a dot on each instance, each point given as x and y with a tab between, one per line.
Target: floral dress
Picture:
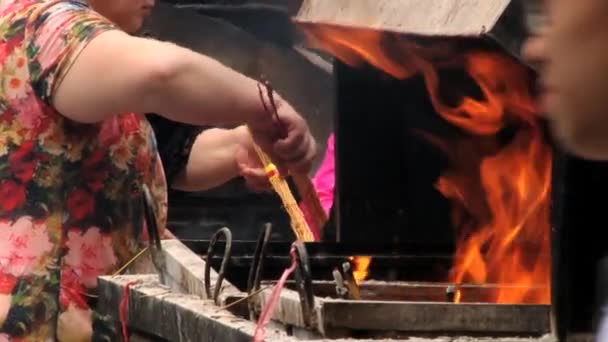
71	204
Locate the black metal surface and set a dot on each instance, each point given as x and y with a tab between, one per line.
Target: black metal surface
578	213
268	22
601	298
390	193
412	262
511	29
437	319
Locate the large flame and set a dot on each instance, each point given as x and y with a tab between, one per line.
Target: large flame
499	191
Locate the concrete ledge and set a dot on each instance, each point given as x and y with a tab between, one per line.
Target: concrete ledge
186	271
156	310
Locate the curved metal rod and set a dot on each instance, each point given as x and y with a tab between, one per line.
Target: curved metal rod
220	276
304	283
153	233
255	272
150	215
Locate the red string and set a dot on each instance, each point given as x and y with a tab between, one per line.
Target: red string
122	311
274	297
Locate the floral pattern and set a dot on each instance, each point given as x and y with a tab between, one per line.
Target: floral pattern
70	193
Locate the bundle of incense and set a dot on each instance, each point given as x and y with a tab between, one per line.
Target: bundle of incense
280	186
311	200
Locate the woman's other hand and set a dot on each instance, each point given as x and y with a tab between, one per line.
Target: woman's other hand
250	167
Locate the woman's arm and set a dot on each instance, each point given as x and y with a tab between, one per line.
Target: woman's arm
89	71
218	156
151	76
119	73
212	160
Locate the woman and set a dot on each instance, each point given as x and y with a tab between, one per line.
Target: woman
73	165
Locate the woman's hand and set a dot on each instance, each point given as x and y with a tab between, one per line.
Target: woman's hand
167	235
250	167
286	139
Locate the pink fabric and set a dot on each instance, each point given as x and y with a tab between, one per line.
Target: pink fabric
324	182
274	297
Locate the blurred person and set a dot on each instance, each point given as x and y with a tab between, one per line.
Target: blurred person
569	51
571	54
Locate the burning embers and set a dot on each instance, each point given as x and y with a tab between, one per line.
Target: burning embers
499	176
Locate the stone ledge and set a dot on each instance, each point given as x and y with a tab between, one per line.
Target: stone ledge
156	310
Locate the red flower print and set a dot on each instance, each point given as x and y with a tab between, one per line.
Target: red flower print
22	162
142	162
32	113
23	246
7	48
7	283
71	290
14	83
80	204
21	62
129	123
89	255
7	115
94	171
12	195
109	133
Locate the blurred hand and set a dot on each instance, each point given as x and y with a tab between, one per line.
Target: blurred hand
250	167
287	140
167	235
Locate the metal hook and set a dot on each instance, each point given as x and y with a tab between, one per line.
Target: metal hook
220	276
304	283
153	233
255	272
341	289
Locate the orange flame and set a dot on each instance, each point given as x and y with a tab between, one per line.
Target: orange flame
360	266
457	296
499	193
